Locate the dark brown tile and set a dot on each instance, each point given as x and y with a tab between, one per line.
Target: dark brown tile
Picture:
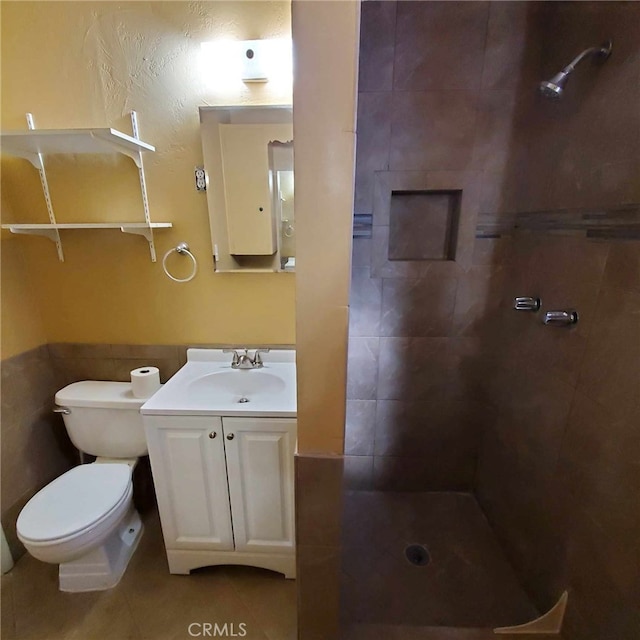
410	473
479	296
41	610
77	369
622	270
494	129
388	182
33	453
377	44
468	582
8	623
533	419
29	383
463	186
372	148
411	368
142	351
423	226
360	427
429	429
381	266
358	473
318	573
492	251
610	372
433	130
361	254
182	355
598	470
500	193
439	45
365	301
149	602
406	632
602	609
510	45
270	598
318	500
10	515
566	272
163	605
80	350
108	618
420	308
362	369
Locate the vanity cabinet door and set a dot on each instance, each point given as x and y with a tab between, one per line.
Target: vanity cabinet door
190	477
260	467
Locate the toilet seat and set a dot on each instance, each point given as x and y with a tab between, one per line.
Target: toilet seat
75	503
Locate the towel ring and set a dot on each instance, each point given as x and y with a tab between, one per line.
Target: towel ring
182	249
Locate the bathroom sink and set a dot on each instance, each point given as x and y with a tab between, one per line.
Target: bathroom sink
208	385
239	385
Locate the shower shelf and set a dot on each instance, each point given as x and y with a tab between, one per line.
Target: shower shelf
33	144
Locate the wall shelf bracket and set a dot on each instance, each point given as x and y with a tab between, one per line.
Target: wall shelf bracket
51	233
33	145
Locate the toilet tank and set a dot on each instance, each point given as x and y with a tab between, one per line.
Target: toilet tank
104	418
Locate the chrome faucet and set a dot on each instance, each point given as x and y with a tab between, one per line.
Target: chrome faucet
244	360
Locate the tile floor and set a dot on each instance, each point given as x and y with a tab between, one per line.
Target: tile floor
149	602
468	582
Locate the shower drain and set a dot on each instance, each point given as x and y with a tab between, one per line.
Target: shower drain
417	554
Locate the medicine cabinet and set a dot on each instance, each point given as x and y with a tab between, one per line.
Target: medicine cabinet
248	159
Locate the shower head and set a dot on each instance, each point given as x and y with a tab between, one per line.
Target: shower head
554	88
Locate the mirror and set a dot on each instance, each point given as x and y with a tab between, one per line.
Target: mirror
248	160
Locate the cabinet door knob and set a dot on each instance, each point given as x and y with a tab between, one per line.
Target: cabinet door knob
213	434
230	436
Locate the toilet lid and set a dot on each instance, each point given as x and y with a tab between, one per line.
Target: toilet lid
74	501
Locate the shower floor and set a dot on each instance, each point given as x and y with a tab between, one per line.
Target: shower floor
467	583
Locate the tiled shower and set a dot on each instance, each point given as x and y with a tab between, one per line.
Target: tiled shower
509	449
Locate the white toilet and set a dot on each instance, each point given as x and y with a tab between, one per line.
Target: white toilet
85	519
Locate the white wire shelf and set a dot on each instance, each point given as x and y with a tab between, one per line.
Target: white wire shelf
34	144
51	230
29	143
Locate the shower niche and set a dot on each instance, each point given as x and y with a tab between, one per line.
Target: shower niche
423	221
423	225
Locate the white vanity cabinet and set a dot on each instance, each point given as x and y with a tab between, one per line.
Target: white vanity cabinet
225	490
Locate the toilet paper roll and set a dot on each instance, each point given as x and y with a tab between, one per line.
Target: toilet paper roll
145	381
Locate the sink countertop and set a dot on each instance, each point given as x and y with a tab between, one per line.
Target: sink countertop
207	385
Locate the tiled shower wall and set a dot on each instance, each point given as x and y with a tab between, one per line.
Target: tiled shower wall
559	472
438	87
449	387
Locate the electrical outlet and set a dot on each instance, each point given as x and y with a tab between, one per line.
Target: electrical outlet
201	179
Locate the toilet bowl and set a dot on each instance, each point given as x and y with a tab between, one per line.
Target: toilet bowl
85	520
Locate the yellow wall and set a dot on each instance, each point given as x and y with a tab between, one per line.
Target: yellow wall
88	64
22	327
